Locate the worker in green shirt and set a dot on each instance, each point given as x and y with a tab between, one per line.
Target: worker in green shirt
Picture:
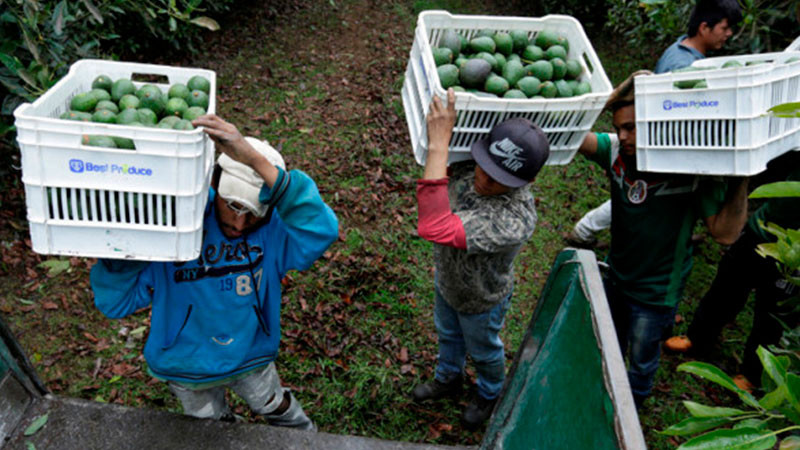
653	215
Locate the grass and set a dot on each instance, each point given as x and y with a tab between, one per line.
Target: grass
357	327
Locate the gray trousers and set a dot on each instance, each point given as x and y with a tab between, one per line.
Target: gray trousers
261	390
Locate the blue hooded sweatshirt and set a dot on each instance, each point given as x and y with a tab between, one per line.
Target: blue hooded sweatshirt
219	315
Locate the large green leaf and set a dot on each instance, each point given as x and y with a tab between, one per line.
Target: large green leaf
698	410
773	399
786	108
732	439
36	425
778	189
772	366
713	374
793	390
694	425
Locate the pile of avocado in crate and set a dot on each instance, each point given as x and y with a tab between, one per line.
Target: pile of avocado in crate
509	65
119	102
732	63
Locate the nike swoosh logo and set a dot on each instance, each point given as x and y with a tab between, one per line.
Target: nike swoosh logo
495	150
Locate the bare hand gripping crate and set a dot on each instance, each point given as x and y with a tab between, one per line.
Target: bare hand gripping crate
722	129
565	121
144	204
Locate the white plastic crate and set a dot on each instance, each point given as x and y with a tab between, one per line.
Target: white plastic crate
565	121
723	129
144	204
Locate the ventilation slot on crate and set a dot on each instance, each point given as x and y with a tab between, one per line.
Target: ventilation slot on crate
102	206
692	133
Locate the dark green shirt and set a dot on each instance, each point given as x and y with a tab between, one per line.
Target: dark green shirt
652	217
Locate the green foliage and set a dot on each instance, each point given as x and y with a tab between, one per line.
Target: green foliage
765	26
39	40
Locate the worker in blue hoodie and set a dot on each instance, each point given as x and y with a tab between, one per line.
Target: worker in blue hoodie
215	321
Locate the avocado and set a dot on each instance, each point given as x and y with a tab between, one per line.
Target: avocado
175	107
84	102
574	69
559	68
755	63
193	112
458	88
485	33
731	63
501	61
490	59
121	87
700	85
685	84
573	84
107	104
542	70
102	82
104	116
563	88
183	125
482	44
503	43
127	116
538	97
100	94
147	116
514	93
460	61
98	141
529	85
583	88
169	121
545	39
448	75
520	39
77	116
474	72
151	89
122	142
152	99
198	83
129	101
514	57
198	98
442	55
532	53
496	85
464	43
513	72
562	41
178	90
451	40
548	89
556	51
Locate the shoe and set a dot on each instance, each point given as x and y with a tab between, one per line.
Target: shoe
743	383
435	389
478	410
678	344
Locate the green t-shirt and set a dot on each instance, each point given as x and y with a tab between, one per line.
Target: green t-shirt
782	211
652	217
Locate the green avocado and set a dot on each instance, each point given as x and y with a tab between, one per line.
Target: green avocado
107	104
520	39
474	73
198	98
147	116
542	70
513	72
98	141
482	44
193	112
583	88
514	93
532	53
102	82
503	43
104	116
514	57
448	75
529	85
169	121
490	59
545	39
442	55
559	68
125	143
501	61
574	69
485	33
100	94
563	88
562	41
84	102
178	90
183	125
129	101
175	107
460	61
548	89
458	88
122	87
451	40
127	116
198	83
496	85
77	116
731	63
556	51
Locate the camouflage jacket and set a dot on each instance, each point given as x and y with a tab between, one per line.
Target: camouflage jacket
475	280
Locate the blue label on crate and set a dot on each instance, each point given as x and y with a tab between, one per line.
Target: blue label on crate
671	104
79	166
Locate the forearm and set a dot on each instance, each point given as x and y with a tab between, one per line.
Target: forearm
728	223
436	162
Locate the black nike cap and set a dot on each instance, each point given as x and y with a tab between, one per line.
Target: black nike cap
513	153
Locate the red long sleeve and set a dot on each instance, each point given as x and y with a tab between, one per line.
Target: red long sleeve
436	222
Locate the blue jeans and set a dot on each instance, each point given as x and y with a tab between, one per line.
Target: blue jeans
478	334
639	328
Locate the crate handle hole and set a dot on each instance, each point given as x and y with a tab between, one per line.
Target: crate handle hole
150	78
589	65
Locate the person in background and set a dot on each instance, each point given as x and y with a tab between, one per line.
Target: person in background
478	214
710	26
215	321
